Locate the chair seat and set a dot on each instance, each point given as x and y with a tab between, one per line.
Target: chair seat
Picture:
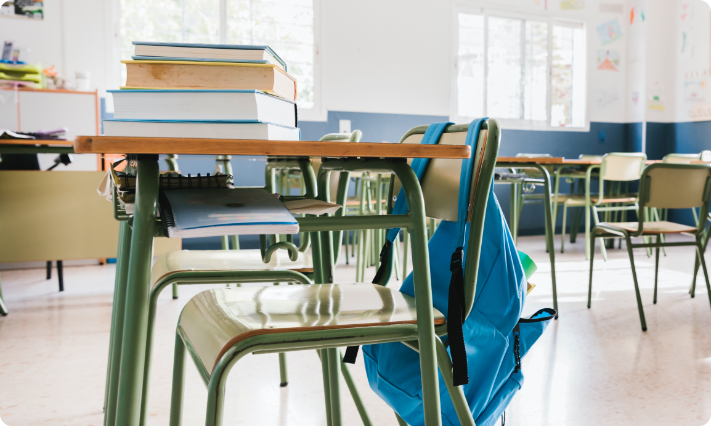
226	260
662	227
217	319
622	198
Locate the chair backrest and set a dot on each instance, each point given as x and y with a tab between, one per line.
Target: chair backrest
440	188
354	136
622	166
590	157
523	155
680	158
705	155
675	186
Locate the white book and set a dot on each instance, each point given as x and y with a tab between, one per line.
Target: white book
203	105
200	129
208	51
209	212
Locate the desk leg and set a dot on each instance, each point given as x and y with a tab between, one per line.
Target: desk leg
423	295
137	297
119	310
3	308
550	231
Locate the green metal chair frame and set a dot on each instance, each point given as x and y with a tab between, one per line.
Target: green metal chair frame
677	186
606	173
211	277
421	336
3	308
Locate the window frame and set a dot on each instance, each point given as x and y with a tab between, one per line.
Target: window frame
317	113
508	123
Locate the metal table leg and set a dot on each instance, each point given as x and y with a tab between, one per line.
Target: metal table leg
137	296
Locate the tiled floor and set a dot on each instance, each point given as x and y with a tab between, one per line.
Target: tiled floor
592	367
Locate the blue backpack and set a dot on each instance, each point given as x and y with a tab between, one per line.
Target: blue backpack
487	347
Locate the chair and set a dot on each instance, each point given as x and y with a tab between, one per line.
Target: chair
219	327
684	159
267	264
662	186
617	167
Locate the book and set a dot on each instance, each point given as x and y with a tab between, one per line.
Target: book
203	105
170	58
200	129
209	75
208	51
191	213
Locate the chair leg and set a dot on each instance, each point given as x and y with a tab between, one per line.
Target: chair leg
456	393
700	251
656	269
60	275
400	421
3	308
355	394
49	269
147	362
405	250
636	286
592	258
334	375
283	374
562	229
705	243
323	353
122	261
177	396
603	249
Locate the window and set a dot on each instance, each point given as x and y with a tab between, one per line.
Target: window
524	72
288	27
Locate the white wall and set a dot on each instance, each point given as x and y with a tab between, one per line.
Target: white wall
75	35
397	56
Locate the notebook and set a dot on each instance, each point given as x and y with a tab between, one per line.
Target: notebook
200	129
203	105
161	74
192	213
208	51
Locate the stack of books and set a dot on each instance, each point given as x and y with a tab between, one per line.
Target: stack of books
205	91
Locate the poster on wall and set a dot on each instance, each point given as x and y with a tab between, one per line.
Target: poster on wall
608	60
572	4
609	31
24	9
606	96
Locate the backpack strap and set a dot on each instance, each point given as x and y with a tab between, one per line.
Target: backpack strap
455	307
419	165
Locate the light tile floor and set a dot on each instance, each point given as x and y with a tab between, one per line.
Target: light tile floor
591	367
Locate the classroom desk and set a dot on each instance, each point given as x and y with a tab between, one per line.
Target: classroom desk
543	164
136	248
36	146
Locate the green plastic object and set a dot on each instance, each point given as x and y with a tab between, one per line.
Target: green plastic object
529	267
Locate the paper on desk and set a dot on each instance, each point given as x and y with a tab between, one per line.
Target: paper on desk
311	206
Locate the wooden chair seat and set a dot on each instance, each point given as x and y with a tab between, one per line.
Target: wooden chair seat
215	320
662	227
226	260
575	200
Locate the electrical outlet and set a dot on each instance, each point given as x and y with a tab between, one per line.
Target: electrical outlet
344	126
601	136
